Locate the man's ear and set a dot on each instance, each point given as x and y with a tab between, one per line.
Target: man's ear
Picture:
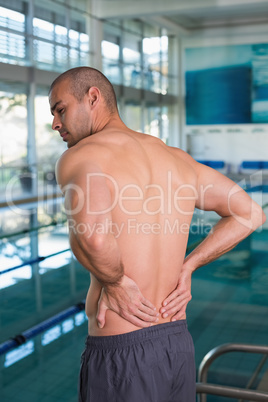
93	96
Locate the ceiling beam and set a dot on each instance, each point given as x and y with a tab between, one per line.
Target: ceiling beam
138	8
170	26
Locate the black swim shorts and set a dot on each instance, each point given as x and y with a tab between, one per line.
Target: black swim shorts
154	364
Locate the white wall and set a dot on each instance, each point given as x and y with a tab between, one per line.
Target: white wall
232	145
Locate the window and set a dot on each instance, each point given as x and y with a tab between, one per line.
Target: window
13	115
110	49
12	39
59	38
133	115
132	60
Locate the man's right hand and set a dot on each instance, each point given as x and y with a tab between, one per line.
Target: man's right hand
126	300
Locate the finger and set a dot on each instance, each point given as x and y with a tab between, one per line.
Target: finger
137	321
175	301
146	317
140	311
170	297
101	313
179	305
148	310
171	300
147	303
178	315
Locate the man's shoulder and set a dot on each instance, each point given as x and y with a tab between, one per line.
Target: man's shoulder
79	158
184	160
84	150
183	155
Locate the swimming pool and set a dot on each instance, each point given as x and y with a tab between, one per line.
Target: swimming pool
230	304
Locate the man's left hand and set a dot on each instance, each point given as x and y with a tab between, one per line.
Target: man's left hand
176	302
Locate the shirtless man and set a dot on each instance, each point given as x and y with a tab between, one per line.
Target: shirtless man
130	199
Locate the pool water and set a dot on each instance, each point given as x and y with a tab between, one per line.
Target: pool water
229	304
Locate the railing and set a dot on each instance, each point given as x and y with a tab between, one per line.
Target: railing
37	259
37	329
32	229
204	388
33	261
230	392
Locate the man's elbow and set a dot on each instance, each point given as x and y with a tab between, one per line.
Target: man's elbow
95	242
258	216
263	217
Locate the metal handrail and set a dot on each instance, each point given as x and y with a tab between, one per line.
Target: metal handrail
32	199
231	392
34	261
218	351
39	328
32	229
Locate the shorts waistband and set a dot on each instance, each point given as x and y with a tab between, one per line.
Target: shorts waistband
130	338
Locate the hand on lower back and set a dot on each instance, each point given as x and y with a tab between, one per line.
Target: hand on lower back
127	301
176	302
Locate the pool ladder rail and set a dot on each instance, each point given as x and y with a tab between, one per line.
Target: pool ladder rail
203	388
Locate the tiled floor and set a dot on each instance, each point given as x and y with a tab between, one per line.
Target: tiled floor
230	304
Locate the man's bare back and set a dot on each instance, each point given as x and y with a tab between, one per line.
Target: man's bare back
151	210
129	200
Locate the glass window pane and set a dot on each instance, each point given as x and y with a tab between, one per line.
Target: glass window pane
12	20
132	60
73	38
152	115
84	42
13	147
44	54
131	49
78	39
49	147
61	56
74	57
12	45
49	144
164	63
132	116
13	115
112	70
165	123
43	29
61	34
110	50
152	63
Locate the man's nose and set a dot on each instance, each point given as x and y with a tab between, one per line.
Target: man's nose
56	124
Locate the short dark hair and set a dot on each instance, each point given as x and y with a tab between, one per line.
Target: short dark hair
82	79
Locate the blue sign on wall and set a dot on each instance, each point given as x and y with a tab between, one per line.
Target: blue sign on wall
218	96
227	84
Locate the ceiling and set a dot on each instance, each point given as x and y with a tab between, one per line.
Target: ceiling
187	16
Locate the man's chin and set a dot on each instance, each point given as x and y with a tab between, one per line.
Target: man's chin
71	144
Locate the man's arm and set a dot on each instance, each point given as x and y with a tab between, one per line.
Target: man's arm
240	216
88	205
